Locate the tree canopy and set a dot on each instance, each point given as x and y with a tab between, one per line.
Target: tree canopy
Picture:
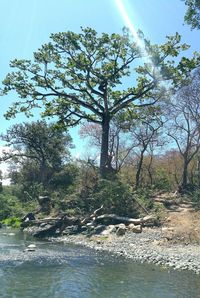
80	76
192	16
37	148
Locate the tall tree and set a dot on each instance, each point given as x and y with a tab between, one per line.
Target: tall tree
38	148
81	77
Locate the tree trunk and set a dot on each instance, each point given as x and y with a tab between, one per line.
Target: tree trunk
198	171
139	168
149	169
115	219
185	175
105	163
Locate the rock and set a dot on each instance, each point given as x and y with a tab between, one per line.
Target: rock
121	230
46	231
71	230
135	229
83	229
29	249
121	225
109	230
112	228
105	233
90	224
31	246
167	229
45	226
99	229
57	232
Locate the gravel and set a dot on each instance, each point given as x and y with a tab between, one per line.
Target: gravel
150	246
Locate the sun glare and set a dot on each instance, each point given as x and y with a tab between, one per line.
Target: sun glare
123	11
128	22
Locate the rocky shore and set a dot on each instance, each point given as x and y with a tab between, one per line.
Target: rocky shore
170	245
150	246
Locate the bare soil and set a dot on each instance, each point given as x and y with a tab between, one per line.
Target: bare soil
182	219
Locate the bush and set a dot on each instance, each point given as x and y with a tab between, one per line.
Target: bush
9	206
116	197
195	197
162	181
12	222
144	197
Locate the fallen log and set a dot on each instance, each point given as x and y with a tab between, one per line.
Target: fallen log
115	219
92	217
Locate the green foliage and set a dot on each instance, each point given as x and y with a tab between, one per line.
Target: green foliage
144	197
65	179
162	181
192	16
13	222
83	71
12	204
195	197
38	154
9	206
78	76
115	196
38	148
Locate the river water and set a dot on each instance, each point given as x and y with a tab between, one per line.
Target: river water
62	271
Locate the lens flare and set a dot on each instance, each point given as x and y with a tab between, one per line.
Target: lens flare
129	23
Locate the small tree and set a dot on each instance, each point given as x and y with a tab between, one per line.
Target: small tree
144	132
38	148
79	77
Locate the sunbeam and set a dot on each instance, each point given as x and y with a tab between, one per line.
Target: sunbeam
128	22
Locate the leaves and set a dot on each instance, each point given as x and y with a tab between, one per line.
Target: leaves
192	16
81	75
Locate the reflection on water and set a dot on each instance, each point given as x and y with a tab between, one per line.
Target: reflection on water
58	271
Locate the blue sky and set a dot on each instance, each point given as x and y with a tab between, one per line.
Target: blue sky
26	25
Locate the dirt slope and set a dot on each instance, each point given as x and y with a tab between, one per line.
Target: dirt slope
182	220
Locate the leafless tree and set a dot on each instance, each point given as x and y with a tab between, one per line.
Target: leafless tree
184	114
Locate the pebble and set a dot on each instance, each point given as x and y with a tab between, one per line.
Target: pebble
141	247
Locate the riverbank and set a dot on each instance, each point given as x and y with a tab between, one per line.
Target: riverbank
150	246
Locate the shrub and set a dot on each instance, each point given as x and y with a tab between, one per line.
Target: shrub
9	206
195	197
116	197
12	222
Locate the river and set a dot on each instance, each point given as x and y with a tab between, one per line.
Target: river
62	271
